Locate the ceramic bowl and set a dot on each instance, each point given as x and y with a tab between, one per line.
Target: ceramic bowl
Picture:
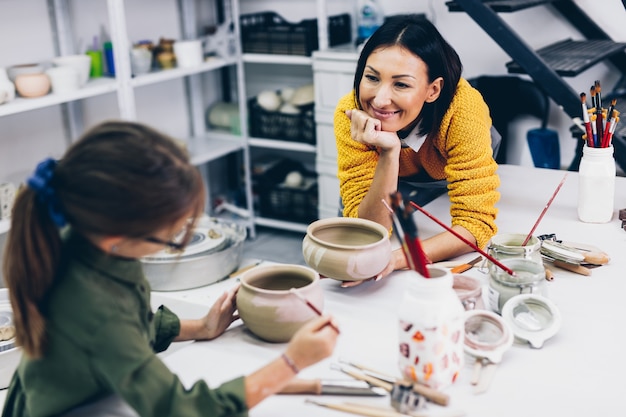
16	70
81	63
267	306
32	85
347	249
188	53
63	79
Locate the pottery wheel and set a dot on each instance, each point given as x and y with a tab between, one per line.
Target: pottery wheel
204	239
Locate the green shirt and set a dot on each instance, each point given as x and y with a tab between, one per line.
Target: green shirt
102	340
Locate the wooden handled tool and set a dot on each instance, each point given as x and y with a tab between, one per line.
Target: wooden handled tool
362	410
302	386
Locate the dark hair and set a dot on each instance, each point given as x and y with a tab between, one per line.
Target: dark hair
416	34
119	179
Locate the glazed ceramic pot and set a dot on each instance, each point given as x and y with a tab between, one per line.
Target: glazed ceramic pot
267	306
32	85
7	88
15	70
347	249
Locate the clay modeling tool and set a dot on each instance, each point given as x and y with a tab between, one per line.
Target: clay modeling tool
331	387
311	306
467	266
543	212
359	409
467	242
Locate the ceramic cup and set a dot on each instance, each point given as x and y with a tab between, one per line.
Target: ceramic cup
140	60
347	249
63	79
32	85
81	63
267	306
15	70
188	53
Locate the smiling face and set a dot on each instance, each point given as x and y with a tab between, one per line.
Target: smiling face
395	86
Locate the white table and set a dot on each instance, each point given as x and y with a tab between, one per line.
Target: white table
577	373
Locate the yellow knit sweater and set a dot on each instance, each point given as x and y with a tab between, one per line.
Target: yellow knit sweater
461	154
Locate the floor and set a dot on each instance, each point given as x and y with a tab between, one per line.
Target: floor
275	245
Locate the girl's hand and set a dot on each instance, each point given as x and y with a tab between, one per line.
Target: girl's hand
368	131
220	316
312	342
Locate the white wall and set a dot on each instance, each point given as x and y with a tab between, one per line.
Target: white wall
25	29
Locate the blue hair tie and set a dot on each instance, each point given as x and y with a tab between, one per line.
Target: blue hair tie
40	182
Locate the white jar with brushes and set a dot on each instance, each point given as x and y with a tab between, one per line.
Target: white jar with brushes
431	332
596	185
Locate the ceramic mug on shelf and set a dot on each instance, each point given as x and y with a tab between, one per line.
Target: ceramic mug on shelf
63	79
188	53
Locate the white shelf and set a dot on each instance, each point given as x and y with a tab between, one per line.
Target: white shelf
277	59
282	144
280	224
95	87
212	146
175	73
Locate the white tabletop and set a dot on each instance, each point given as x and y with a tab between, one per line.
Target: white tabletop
578	372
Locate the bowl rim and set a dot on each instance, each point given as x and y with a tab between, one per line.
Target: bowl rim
350	222
243	279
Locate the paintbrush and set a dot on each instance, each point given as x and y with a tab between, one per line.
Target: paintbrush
416	258
583	100
467	242
530	234
311	306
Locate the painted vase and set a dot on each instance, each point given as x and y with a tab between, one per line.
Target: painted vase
7	88
431	319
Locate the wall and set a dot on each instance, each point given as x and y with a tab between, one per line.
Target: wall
23	142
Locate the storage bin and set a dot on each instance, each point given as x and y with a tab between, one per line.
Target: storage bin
288	203
282	126
269	33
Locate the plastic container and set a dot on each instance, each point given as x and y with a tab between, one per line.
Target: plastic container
370	17
431	328
596	185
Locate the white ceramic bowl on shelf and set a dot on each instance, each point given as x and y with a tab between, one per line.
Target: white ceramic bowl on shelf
81	63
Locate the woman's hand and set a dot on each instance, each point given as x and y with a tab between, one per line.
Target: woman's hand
313	342
397	261
217	320
368	131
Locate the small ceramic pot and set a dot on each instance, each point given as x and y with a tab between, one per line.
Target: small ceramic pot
347	249
188	53
267	306
15	70
63	79
32	85
80	62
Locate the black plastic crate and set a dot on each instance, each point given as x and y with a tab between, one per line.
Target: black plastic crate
282	126
269	33
281	202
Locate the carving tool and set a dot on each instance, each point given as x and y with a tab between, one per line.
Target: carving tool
331	387
467	266
467	242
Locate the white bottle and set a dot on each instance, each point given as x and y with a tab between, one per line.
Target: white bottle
596	185
370	17
431	332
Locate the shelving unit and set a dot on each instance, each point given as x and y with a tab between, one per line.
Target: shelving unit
204	145
305	149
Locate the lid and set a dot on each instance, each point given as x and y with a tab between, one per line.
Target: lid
532	318
486	335
561	252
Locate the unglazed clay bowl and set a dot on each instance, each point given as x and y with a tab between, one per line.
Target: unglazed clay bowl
267	306
347	249
32	85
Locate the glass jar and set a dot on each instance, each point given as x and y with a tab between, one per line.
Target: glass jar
431	319
596	185
509	245
529	278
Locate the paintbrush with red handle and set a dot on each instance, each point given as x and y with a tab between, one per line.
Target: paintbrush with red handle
412	246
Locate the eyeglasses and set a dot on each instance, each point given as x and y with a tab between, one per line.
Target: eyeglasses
168	243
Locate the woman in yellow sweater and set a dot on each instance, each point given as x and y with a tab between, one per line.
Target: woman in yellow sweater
411	119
